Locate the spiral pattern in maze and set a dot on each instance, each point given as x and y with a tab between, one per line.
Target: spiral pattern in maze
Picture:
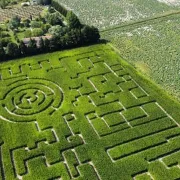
27	98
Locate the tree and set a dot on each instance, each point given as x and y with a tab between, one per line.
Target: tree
23	48
5	41
90	34
26	22
54	19
2	52
56	30
37	32
45	27
12	50
36	24
14	22
41	45
53	43
46	44
73	20
3	4
32	47
75	35
46	2
28	33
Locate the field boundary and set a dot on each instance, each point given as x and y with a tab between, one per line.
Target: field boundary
162	16
150	85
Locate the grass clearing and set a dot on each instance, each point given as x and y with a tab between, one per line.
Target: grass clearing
85	114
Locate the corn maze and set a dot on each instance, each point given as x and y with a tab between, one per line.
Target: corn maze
82	114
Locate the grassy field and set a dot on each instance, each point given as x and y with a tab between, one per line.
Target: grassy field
85	114
109	13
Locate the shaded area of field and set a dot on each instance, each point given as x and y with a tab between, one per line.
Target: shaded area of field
85	114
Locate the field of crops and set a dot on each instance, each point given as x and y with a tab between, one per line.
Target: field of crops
85	114
23	12
154	48
107	13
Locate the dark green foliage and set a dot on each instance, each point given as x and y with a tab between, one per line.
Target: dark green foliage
28	33
4	34
59	8
36	24
41	45
73	20
53	44
3	4
26	22
23	48
90	34
14	23
46	44
54	18
37	32
12	50
5	41
2	52
56	30
32	47
46	2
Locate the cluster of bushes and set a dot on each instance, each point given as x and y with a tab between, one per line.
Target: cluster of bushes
61	35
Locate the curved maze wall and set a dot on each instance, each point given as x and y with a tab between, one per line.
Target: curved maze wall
29	97
84	116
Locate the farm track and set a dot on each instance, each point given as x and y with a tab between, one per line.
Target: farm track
160	17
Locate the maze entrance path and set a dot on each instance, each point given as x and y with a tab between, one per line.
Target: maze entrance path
84	114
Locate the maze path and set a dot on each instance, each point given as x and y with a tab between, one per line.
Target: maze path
83	116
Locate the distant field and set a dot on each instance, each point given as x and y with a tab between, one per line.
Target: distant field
23	12
153	48
170	2
85	114
107	13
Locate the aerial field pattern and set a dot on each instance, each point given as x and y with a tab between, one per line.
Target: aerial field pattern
110	13
84	114
146	33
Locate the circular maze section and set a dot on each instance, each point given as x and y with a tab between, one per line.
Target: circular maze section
26	99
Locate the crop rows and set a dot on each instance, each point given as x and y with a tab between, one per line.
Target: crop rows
153	48
105	14
82	114
23	12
